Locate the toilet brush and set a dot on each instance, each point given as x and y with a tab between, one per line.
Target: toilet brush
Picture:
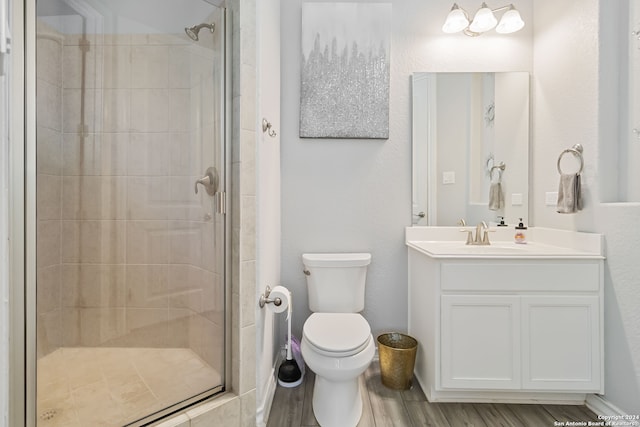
289	374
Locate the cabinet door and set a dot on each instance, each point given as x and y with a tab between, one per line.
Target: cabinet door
480	342
561	343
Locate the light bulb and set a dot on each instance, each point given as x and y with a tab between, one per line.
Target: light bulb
511	22
484	20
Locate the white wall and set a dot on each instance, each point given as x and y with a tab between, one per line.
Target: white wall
268	194
355	195
575	101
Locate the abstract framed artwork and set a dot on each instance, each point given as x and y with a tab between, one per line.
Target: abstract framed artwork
345	70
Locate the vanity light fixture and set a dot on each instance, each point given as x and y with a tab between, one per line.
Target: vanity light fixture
483	21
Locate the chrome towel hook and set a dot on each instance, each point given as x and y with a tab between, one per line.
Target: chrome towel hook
267	127
576	150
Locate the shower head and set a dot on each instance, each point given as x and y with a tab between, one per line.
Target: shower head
193	31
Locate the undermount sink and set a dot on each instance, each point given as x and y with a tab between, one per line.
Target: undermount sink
495	249
444	247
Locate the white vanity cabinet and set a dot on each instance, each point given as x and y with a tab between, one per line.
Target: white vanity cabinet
561	342
506	328
480	348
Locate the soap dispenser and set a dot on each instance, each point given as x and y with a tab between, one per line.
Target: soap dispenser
520	236
501	223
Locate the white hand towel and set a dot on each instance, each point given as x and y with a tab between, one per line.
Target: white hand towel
496	198
569	194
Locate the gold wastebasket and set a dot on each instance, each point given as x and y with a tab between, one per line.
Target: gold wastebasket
397	357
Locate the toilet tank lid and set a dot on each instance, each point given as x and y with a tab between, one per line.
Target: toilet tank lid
336	259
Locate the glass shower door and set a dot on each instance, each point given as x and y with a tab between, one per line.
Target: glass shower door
130	209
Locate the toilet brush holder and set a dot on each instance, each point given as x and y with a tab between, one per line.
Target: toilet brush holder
289	373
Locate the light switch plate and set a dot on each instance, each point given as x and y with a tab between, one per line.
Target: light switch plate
449	177
551	198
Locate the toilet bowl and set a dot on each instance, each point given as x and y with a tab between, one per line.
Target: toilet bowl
338	347
336	340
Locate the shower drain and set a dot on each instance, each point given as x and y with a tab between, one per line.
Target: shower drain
48	414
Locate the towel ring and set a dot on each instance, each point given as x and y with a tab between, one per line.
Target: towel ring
576	150
500	168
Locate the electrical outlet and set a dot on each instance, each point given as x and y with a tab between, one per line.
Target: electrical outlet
551	198
516	199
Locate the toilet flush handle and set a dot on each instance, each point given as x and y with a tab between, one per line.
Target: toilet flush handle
306	272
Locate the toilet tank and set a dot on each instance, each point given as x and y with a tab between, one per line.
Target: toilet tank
335	282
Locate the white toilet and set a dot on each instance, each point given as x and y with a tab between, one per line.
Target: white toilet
336	340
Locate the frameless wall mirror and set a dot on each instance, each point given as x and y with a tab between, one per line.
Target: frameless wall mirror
619	93
470	147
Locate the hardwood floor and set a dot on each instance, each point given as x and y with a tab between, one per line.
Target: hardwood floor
383	407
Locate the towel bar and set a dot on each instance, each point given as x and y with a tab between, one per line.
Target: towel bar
576	150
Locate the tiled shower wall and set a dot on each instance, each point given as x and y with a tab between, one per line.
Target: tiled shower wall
49	183
125	128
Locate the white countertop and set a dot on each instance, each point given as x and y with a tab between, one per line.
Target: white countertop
542	243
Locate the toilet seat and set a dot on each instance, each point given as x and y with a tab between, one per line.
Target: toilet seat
337	334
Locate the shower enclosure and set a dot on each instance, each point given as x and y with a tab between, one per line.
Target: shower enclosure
130	220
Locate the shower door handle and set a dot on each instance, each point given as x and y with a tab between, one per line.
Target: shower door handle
221	202
209	181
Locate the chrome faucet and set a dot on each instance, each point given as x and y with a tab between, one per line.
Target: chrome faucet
480	228
482	235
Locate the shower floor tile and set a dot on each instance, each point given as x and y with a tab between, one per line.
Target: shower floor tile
87	387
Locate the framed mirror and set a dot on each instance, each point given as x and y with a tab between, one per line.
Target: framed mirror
470	148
